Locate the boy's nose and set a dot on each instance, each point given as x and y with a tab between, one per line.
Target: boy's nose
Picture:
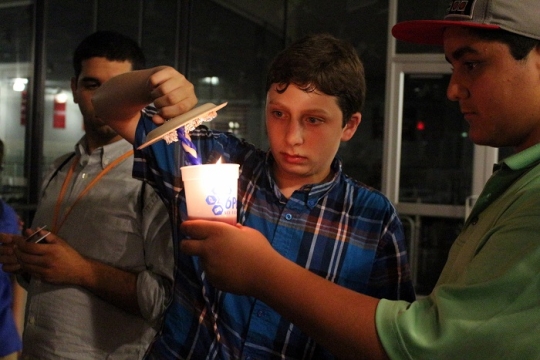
455	91
295	133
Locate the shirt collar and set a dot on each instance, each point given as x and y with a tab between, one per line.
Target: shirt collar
522	159
310	193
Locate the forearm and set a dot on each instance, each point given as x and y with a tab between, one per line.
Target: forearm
338	318
341	320
116	286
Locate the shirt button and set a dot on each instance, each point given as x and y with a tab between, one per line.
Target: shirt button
311	203
474	220
288	216
83	175
260	313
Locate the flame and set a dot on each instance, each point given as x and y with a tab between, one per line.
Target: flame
219	161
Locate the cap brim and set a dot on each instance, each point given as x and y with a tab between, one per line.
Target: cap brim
430	32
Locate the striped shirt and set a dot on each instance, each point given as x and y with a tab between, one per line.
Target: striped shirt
341	230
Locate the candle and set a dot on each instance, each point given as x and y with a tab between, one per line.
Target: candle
211	191
183	136
189	148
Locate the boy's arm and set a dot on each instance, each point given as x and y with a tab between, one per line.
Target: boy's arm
118	102
240	260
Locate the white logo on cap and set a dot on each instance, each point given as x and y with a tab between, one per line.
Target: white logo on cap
461	8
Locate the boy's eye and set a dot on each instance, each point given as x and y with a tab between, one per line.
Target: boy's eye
277	113
465	65
313	120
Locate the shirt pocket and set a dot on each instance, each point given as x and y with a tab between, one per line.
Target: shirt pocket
112	239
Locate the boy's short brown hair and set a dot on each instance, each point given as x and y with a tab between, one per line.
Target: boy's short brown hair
323	63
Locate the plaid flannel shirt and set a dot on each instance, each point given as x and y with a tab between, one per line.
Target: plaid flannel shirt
341	230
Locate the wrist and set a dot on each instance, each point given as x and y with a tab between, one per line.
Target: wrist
265	271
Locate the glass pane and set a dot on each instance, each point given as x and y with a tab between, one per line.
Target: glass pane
119	15
421	9
15	76
159	42
429	239
62	120
436	154
230	52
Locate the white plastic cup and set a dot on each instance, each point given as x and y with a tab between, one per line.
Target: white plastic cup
211	191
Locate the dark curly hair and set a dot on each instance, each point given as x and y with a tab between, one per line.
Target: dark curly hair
111	45
321	62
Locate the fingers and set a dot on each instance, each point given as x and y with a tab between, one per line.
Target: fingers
171	92
11	268
202	236
6	253
30	253
34	258
8	260
174	103
162	74
8	239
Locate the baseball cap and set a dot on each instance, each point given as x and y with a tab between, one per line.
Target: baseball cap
520	17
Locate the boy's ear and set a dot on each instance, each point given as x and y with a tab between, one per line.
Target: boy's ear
351	126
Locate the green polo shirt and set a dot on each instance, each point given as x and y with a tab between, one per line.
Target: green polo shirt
486	304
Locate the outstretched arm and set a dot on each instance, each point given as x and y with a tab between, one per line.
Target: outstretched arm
119	101
340	319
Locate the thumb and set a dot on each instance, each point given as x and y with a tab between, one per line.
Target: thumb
201	229
158	119
192	247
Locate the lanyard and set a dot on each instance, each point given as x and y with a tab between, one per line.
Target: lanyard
57	225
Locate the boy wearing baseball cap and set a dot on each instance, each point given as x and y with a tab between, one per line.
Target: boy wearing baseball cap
486	304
